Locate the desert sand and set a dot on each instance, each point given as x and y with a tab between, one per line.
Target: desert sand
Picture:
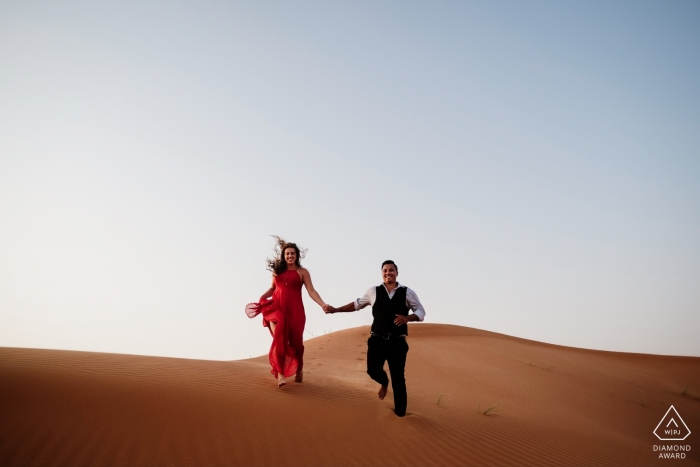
475	398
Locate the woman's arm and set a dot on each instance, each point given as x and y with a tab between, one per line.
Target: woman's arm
306	280
268	293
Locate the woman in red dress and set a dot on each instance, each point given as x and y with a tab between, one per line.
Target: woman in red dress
284	314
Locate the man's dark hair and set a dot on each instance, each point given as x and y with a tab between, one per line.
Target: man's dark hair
390	262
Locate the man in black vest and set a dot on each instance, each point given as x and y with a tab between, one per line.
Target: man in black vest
391	303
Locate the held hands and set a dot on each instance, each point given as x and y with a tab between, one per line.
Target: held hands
345	308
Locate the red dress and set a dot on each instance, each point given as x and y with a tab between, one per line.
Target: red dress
286	309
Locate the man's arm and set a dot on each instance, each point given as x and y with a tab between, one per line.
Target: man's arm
414	305
343	309
366	300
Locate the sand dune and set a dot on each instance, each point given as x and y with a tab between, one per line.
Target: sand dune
554	406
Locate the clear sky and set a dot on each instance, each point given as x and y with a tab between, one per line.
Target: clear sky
532	167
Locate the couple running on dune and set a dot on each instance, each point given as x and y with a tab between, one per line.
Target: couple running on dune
283	313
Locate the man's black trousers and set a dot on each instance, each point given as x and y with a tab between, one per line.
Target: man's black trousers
393	351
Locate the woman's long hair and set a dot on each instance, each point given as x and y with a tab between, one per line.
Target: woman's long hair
278	265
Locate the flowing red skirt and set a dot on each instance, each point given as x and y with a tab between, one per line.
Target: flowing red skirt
286	310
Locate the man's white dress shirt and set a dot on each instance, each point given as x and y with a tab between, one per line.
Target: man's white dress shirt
412	301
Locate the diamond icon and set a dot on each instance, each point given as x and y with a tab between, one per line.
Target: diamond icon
672	427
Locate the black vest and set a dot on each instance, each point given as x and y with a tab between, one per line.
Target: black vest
385	310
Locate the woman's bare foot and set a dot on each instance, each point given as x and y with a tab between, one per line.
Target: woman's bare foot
281	381
382	392
299	376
